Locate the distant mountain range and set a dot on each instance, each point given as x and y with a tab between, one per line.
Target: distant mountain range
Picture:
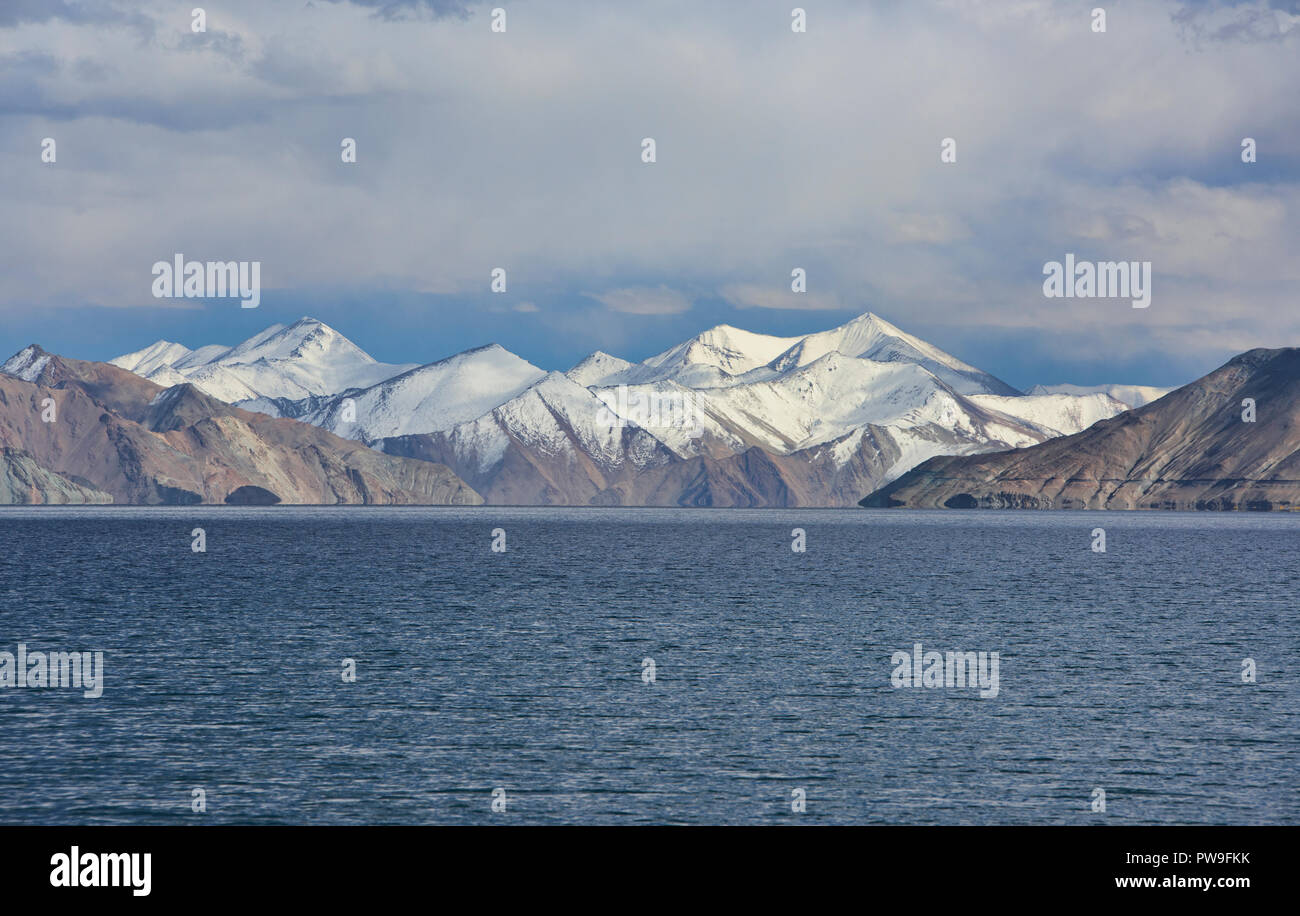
82	432
300	414
817	420
304	359
1132	395
1229	440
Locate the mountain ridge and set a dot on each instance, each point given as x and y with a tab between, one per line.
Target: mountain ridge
1192	449
303	359
77	431
833	414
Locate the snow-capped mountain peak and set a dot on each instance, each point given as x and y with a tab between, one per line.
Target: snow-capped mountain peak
27	363
724	355
597	368
732	350
157	355
300	360
817	419
429	398
306	339
871	337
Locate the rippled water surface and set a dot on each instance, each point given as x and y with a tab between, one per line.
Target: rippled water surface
523	670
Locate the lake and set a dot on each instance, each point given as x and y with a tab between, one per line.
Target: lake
651	666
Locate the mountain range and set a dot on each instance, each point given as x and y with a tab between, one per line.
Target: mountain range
753	419
1229	440
304	359
84	432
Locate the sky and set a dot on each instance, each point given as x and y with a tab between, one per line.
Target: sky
775	150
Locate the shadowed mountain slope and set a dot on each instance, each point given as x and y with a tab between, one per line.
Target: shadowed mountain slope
1191	449
112	433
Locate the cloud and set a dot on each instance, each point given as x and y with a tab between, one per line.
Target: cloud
16	14
776	150
1245	23
20	12
928	228
755	296
405	9
644	301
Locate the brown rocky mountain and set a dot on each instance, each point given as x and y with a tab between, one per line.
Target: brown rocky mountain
529	472
1192	449
118	437
727	418
23	481
827	475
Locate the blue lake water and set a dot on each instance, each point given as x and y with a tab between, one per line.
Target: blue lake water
523	670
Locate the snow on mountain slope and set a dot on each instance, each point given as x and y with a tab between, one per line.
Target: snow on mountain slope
307	357
711	359
831	472
159	355
166	376
430	398
293	361
309	350
230	384
726	417
201	357
729	350
802	407
26	364
1056	414
597	368
724	356
677	416
557	416
552	443
1130	395
871	337
822	400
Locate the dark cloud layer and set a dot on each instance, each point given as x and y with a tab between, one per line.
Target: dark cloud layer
403	9
93	12
775	150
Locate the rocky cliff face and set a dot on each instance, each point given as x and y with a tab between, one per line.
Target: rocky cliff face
116	435
1191	449
24	482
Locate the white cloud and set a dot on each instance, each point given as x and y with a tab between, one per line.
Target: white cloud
755	296
642	300
522	149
